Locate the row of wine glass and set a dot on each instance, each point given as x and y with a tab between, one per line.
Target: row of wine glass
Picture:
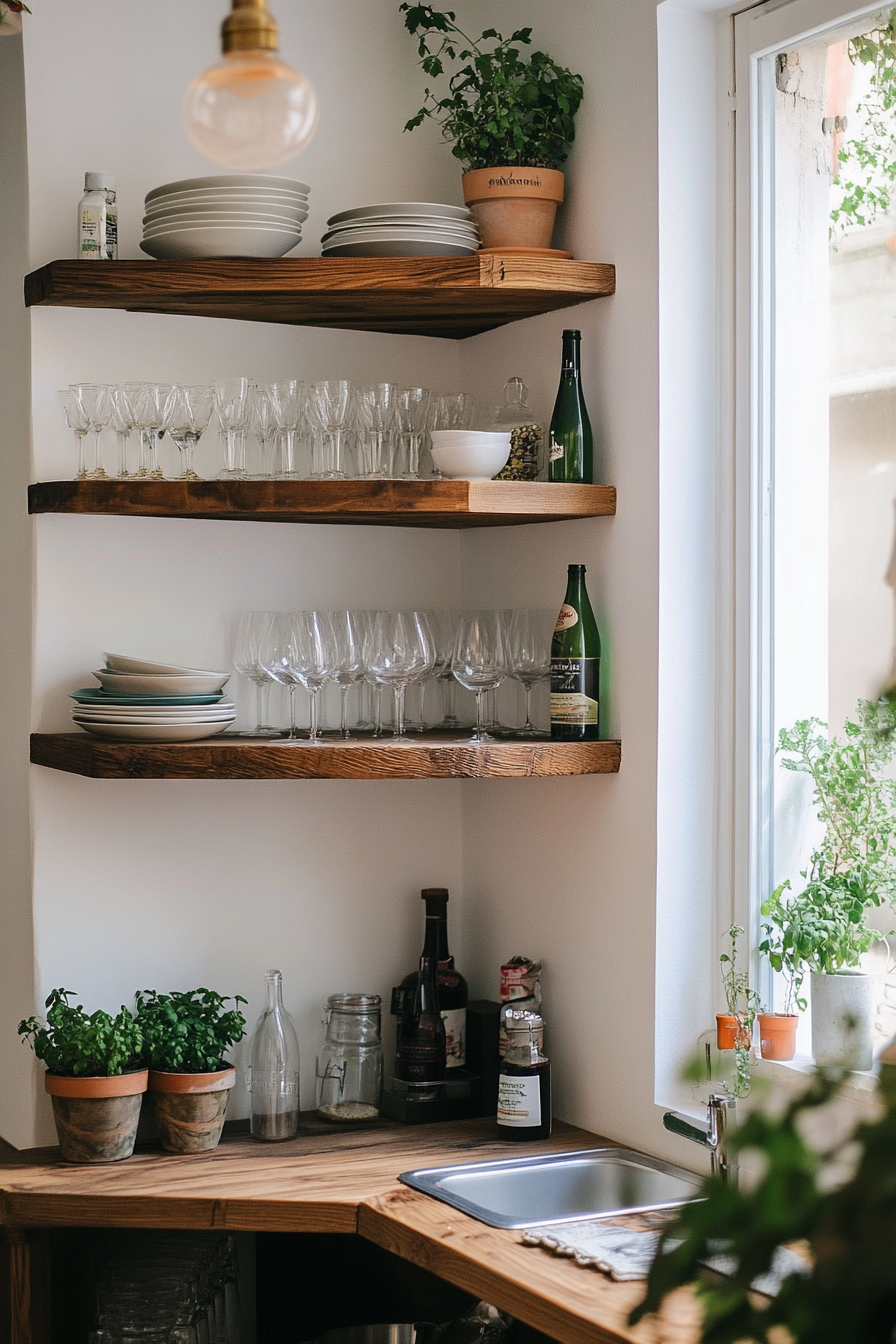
477	650
327	430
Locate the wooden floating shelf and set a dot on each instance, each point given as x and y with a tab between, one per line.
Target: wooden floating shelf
416	296
385	503
254	758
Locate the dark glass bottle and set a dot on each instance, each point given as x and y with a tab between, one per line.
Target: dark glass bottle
453	991
570	443
420	1037
524	1083
575	666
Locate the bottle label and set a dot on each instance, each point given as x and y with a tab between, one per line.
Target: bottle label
568	617
455	1020
273	1084
519	1101
556	450
574	690
91	238
112	234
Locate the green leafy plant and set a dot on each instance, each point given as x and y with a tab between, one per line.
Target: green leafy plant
743	1004
72	1043
823	927
868	160
188	1032
500	109
818	1179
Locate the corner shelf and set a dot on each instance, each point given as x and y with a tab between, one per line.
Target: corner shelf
416	296
225	757
450	504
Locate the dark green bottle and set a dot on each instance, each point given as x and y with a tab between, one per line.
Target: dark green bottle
575	666
570	445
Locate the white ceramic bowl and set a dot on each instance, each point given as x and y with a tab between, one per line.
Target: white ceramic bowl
154	683
119	662
469	455
223	241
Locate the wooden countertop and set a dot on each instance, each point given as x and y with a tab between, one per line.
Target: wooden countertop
330	1180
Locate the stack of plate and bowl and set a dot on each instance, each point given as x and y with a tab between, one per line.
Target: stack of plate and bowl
401	229
470	454
153	702
238	215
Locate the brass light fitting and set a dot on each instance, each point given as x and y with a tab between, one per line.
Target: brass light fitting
250	26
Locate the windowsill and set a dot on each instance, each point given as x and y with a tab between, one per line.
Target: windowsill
858	1086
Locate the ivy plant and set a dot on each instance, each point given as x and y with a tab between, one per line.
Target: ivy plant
74	1044
864	188
499	109
188	1032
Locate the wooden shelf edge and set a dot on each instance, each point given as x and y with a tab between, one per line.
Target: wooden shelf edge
451	504
247	758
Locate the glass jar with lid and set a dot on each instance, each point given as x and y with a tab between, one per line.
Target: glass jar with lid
350	1065
527	460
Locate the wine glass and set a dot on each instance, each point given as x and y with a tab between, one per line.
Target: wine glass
375	415
148	403
287	404
96	405
411	405
247	653
479	661
262	417
349	668
278	654
77	421
400	649
314	658
444	628
122	421
186	416
529	655
232	405
328	402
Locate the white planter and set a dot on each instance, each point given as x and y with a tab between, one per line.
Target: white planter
843	1008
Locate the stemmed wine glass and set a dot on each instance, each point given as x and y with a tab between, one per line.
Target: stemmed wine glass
77	420
262	416
287	406
375	414
232	405
400	649
529	655
328	403
247	654
411	405
278	654
122	422
96	405
186	416
349	668
148	403
314	658
479	661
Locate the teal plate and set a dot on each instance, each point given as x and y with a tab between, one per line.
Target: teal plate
94	695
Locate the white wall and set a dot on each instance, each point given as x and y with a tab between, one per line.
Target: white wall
168	883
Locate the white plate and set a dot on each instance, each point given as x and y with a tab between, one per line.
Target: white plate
224	222
226	206
223	709
143	732
407	247
388	234
427	208
119	662
215	214
186	244
149	683
220	194
165	723
444	225
262	180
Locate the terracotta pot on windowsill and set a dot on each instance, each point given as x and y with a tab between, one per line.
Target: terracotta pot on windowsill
777	1035
514	207
96	1118
731	1033
189	1108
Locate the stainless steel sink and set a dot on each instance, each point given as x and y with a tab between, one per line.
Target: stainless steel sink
559	1187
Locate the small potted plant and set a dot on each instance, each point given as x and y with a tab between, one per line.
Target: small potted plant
510	121
185	1036
94	1077
734	1029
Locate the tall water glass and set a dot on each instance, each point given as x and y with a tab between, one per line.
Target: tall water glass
328	403
287	405
232	405
375	417
411	405
479	661
262	419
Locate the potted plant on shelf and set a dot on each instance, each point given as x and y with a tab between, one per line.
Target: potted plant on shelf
185	1036
824	929
94	1077
734	1029
511	122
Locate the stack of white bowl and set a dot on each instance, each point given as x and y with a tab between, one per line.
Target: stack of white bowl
238	215
401	229
153	702
470	454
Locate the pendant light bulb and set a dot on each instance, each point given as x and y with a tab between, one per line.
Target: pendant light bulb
251	110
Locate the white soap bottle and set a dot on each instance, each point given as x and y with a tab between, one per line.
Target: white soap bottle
93	220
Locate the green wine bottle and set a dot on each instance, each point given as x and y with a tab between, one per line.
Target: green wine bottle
575	666
570	445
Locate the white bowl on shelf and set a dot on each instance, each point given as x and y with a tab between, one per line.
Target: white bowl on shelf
186	244
120	662
469	454
147	683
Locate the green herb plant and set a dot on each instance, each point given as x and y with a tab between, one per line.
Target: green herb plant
74	1044
499	109
188	1032
864	188
824	926
743	1004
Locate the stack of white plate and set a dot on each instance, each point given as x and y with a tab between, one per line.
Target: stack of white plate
401	229
153	702
239	215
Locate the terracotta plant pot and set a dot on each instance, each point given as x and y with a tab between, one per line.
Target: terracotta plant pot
514	207
189	1108
777	1035
731	1033
96	1118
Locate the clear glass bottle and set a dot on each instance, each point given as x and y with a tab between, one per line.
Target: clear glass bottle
527	458
350	1065
273	1076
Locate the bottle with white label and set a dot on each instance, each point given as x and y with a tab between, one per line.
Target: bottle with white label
97	221
575	666
524	1083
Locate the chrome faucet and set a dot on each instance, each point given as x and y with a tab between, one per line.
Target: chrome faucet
715	1135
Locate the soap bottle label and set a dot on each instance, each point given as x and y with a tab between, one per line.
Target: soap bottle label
91	233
